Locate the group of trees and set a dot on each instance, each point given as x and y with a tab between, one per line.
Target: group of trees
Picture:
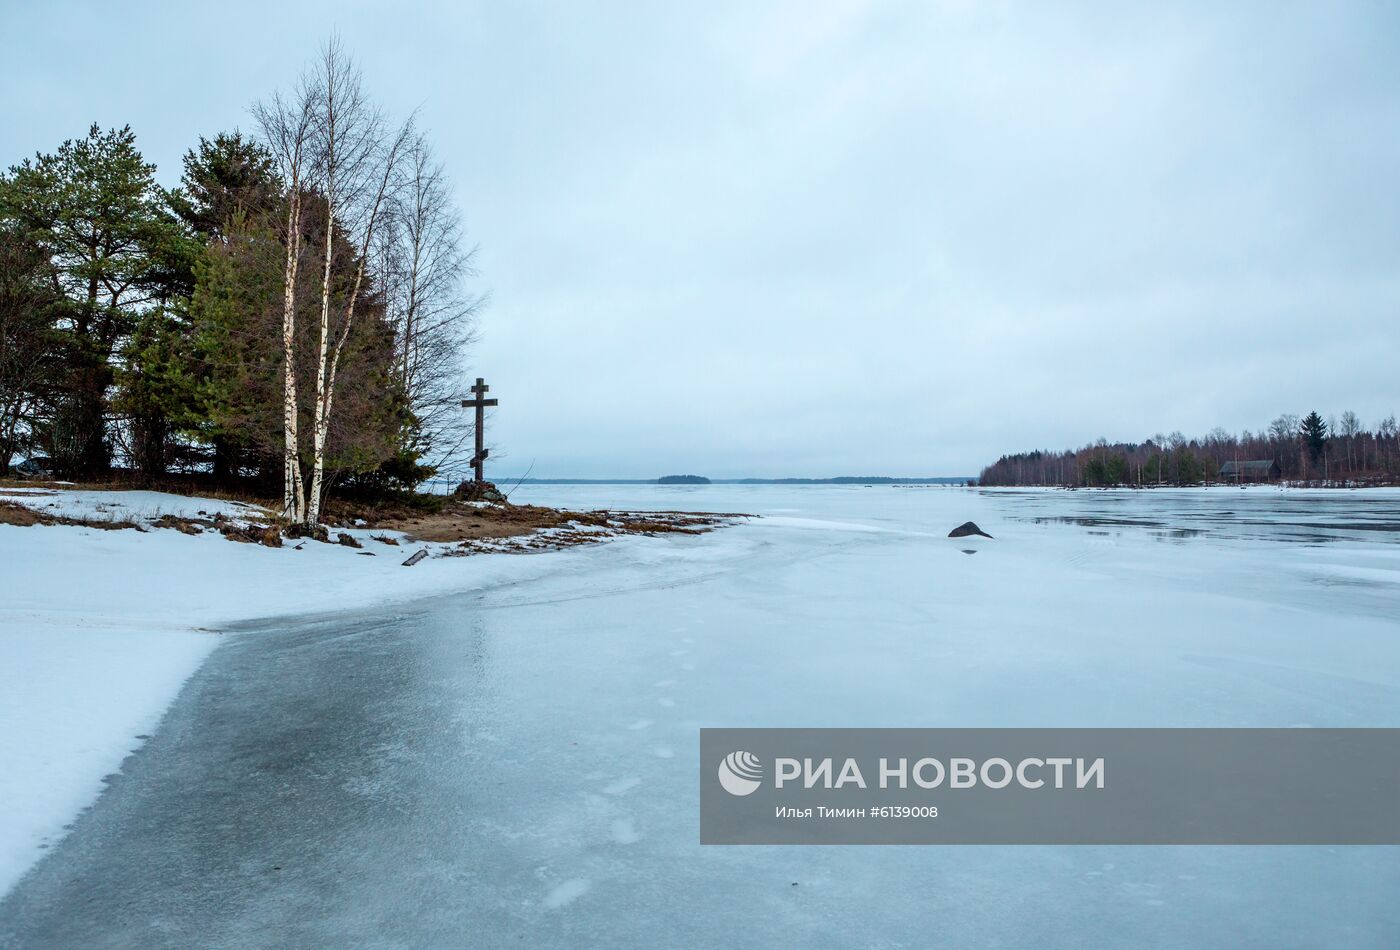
291	316
1338	451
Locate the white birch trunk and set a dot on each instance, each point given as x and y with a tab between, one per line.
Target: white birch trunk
322	421
285	126
292	499
352	151
329	363
324	406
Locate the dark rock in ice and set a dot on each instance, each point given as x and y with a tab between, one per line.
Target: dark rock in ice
966	529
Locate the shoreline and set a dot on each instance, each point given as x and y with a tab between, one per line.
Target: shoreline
428	521
107	622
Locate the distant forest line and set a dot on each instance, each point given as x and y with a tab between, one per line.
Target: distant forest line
1339	451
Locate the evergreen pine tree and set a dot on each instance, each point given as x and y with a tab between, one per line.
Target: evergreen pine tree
1314	433
95	211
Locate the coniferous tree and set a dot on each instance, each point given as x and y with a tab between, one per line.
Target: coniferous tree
29	356
229	178
1314	433
230	196
94	209
236	312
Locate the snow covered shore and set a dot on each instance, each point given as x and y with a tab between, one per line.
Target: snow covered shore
99	629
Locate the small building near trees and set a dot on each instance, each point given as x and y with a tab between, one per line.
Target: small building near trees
1262	470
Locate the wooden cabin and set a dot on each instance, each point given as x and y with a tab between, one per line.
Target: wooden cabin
1262	470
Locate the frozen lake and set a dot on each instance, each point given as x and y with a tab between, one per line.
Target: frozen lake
518	767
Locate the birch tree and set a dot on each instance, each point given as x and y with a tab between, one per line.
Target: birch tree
1350	427
424	263
356	159
286	126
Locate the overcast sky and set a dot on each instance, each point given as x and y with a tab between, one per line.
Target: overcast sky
848	238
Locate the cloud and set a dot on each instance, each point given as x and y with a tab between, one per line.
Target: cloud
816	239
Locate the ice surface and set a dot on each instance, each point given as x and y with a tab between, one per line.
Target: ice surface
99	628
484	768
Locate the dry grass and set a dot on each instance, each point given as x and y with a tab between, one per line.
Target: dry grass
18	515
428	518
458	521
13	514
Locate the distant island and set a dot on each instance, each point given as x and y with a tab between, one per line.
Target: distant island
682	480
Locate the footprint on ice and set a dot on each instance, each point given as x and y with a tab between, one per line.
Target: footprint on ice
679	652
566	893
687	666
662	684
663	752
639	725
622	786
666	701
624	832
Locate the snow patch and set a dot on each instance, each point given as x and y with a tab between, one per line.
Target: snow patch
99	630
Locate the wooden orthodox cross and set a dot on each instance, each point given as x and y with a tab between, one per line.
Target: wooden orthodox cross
479	402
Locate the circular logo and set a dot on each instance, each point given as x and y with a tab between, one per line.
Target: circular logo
740	773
